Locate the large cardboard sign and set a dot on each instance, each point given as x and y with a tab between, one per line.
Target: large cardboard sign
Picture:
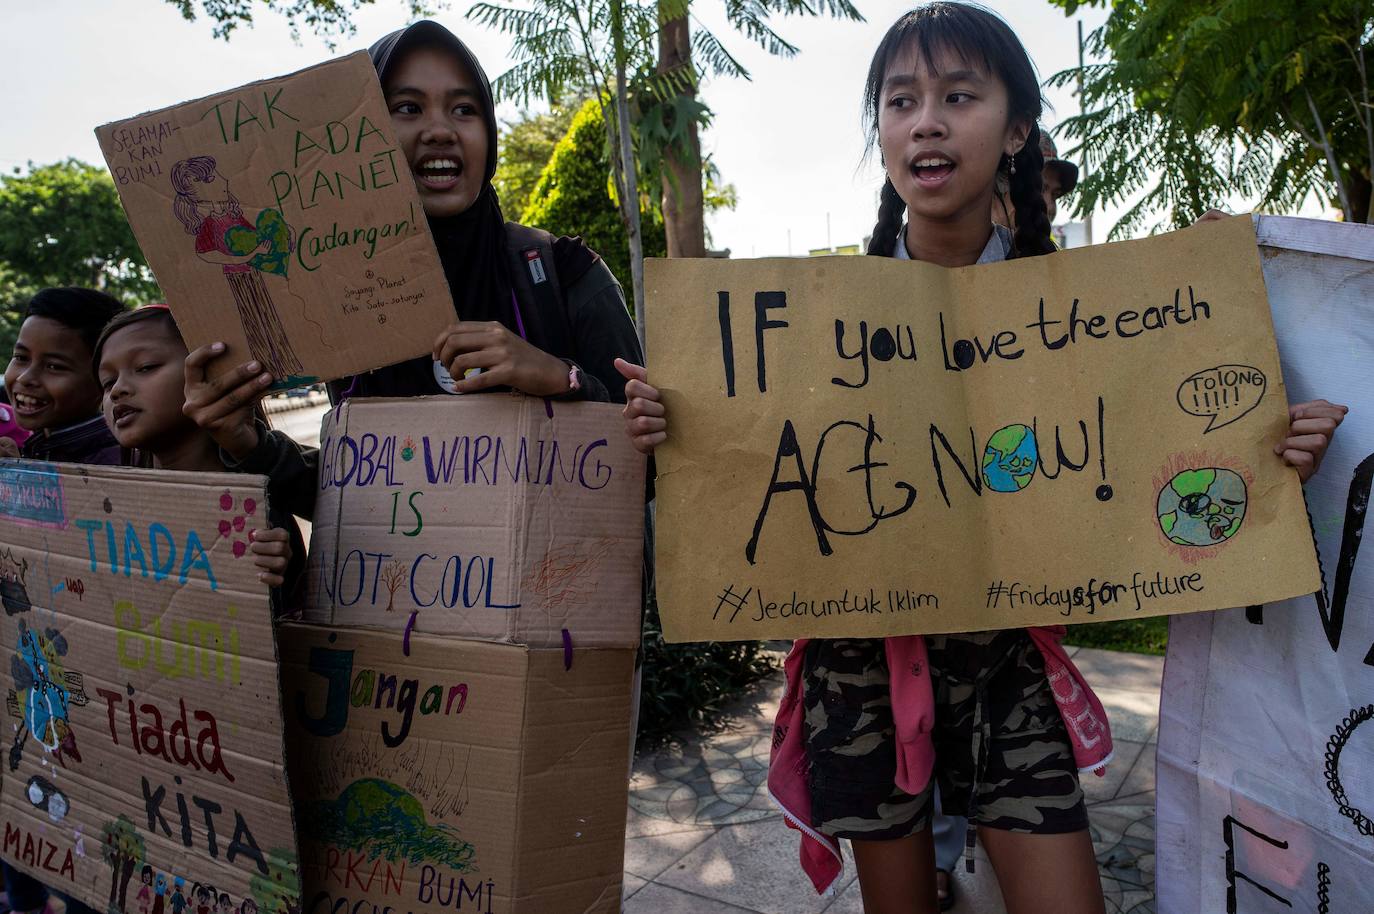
282	218
1266	740
497	516
435	774
144	756
865	446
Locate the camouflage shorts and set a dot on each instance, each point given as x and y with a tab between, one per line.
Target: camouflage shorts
1028	781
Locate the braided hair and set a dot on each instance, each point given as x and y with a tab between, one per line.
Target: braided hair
976	35
1032	235
890	210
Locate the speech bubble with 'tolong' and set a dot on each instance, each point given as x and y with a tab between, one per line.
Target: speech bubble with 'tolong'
1222	394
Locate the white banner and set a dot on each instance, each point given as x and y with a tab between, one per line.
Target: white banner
1266	742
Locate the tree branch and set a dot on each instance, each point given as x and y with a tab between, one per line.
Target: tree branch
630	205
603	88
1366	117
1331	162
1296	124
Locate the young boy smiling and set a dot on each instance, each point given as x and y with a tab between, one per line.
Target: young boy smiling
50	383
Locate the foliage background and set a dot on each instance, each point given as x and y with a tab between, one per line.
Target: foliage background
685	686
1196	101
573	196
62	225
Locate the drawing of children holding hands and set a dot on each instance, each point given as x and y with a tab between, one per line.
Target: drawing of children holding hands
160	889
145	891
179	902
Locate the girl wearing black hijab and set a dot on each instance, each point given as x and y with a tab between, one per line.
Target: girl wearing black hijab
535	313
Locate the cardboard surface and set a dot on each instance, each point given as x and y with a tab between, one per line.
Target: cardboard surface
482	517
433	773
865	446
144	747
1266	736
281	217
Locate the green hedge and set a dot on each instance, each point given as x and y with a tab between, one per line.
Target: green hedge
574	197
1141	636
686	685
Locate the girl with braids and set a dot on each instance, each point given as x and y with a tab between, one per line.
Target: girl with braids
934	185
1001	721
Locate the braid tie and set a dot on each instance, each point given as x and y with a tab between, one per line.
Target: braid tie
1033	230
890	209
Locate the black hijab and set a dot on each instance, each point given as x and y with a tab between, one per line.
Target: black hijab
472	244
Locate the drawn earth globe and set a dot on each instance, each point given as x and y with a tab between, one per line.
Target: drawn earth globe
1203	507
1009	459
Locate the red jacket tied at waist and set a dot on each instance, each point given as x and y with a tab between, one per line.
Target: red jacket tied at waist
913	713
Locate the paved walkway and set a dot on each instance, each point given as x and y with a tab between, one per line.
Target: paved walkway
704	837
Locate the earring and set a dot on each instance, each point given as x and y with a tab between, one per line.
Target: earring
1013	164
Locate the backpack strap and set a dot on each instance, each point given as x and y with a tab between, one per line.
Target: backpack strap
533	275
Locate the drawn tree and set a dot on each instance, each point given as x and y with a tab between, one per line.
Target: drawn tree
393	576
122	849
279	892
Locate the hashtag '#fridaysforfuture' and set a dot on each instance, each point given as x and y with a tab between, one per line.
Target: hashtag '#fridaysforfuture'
995	591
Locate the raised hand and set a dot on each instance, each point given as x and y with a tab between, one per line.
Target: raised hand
646	421
224	406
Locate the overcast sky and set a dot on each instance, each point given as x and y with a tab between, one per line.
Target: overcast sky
790	140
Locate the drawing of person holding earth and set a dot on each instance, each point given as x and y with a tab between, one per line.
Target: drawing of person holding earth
244	249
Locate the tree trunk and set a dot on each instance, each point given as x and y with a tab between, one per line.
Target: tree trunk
1332	164
629	201
1362	198
684	210
114	881
128	871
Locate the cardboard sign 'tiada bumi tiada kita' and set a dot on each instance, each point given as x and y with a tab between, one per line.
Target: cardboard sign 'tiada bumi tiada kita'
145	751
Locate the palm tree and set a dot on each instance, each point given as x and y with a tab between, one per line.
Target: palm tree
563	45
683	57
